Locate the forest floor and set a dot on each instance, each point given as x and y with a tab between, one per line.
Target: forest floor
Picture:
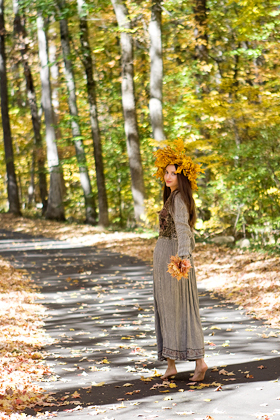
248	279
21	337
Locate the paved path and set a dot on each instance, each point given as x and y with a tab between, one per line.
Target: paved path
100	320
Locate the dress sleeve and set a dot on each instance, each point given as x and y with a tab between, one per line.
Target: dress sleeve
183	230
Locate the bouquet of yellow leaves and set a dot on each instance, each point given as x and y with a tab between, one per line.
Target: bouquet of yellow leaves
178	268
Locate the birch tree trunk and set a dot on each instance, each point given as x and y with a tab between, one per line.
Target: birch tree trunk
55	209
103	219
156	75
70	81
129	108
13	197
20	33
54	74
55	81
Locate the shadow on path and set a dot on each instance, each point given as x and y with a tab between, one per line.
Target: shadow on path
100	320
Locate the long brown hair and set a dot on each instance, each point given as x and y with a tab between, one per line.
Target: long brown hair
184	187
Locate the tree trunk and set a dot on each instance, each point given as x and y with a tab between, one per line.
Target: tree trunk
55	81
54	74
156	72
80	153
20	33
97	147
31	188
129	109
200	32
13	197
55	209
201	46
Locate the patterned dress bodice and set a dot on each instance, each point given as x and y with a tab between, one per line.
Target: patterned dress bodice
166	222
175	225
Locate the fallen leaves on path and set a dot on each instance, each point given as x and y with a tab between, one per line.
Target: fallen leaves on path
249	279
246	278
21	337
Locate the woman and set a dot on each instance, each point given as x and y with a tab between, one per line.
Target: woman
177	321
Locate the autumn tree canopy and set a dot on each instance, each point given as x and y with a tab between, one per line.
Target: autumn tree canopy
123	74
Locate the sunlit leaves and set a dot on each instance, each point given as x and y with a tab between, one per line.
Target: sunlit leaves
21	363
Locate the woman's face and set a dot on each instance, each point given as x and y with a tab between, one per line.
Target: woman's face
170	177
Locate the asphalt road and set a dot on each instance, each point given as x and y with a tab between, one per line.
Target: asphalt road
102	342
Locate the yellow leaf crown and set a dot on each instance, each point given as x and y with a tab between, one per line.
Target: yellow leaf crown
176	155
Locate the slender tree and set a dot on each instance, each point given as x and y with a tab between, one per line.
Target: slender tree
201	42
55	209
156	74
54	63
97	147
13	197
72	102
129	108
21	37
54	74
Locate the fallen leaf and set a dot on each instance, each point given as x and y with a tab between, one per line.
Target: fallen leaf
75	395
98	384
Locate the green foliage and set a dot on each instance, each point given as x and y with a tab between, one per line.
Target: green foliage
226	109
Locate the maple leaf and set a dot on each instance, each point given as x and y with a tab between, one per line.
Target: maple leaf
75	395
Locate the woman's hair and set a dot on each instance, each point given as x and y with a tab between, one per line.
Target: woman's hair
184	187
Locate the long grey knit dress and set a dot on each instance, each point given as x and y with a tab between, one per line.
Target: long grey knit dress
177	321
